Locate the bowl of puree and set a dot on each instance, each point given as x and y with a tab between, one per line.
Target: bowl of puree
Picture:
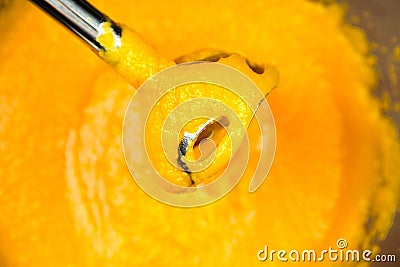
68	199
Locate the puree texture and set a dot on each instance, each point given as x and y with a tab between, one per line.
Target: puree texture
66	196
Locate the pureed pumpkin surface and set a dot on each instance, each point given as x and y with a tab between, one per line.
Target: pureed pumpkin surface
66	197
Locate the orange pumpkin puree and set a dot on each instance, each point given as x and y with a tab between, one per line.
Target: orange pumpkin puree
67	198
